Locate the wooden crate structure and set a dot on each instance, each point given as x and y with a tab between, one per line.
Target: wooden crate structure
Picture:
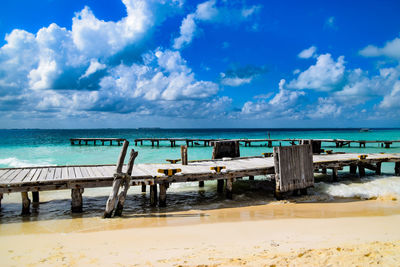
293	167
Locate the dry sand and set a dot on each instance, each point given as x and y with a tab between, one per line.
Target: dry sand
225	237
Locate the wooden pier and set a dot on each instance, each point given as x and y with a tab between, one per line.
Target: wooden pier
264	142
160	176
93	141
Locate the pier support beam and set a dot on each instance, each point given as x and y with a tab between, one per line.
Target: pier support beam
1	197
323	170
378	168
26	203
162	201
229	185
397	169
361	171
201	184
153	195
220	186
143	188
35	197
76	200
353	169
251	178
334	174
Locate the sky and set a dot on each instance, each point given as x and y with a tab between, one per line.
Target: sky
199	64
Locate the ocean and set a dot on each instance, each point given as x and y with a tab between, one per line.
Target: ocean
34	147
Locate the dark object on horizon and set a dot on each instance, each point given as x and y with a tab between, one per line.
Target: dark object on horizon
363	130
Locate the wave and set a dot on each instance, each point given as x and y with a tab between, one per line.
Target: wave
367	188
15	163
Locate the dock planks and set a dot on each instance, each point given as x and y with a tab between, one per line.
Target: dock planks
65	177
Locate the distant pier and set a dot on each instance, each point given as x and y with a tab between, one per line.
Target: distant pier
96	141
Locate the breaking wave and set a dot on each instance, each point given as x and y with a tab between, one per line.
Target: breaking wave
15	163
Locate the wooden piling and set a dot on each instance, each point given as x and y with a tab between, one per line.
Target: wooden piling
184	155
353	169
1	197
397	169
35	197
153	195
361	171
162	201
201	184
220	186
378	168
251	178
229	186
334	174
26	203
323	170
116	183
76	200
125	184
143	188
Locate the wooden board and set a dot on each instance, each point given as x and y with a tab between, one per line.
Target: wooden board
293	167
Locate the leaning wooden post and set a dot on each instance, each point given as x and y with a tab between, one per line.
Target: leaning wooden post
125	184
26	203
76	200
116	183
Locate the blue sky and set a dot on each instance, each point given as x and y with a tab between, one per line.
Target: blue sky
217	63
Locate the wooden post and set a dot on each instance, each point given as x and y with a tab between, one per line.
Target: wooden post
251	178
201	184
35	197
1	197
397	169
162	201
184	156
26	203
361	171
125	184
153	195
323	170
378	168
143	188
353	169
76	202
229	185
116	183
334	174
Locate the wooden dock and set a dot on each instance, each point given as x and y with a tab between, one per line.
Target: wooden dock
93	141
263	142
76	178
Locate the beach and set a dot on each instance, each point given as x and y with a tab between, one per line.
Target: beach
355	233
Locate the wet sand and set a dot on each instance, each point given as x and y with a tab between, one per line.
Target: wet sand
280	233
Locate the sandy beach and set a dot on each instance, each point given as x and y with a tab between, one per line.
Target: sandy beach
356	233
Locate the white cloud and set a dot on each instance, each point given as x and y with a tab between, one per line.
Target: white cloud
331	22
93	68
206	11
187	31
326	108
325	75
392	100
234	81
391	49
307	53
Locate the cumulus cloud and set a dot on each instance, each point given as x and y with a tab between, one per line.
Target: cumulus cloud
392	100
391	49
326	108
307	53
325	75
209	12
239	76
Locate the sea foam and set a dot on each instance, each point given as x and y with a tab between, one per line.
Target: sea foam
13	162
366	188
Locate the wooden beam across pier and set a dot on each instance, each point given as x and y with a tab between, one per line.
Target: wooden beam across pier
78	177
96	141
264	142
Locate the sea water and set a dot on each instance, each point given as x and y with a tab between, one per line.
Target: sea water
35	147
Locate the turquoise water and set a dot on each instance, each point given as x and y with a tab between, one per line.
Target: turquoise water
52	147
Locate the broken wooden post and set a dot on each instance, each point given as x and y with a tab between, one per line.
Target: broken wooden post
184	156
26	203
125	184
293	168
76	200
153	195
35	197
117	182
397	168
229	187
162	201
